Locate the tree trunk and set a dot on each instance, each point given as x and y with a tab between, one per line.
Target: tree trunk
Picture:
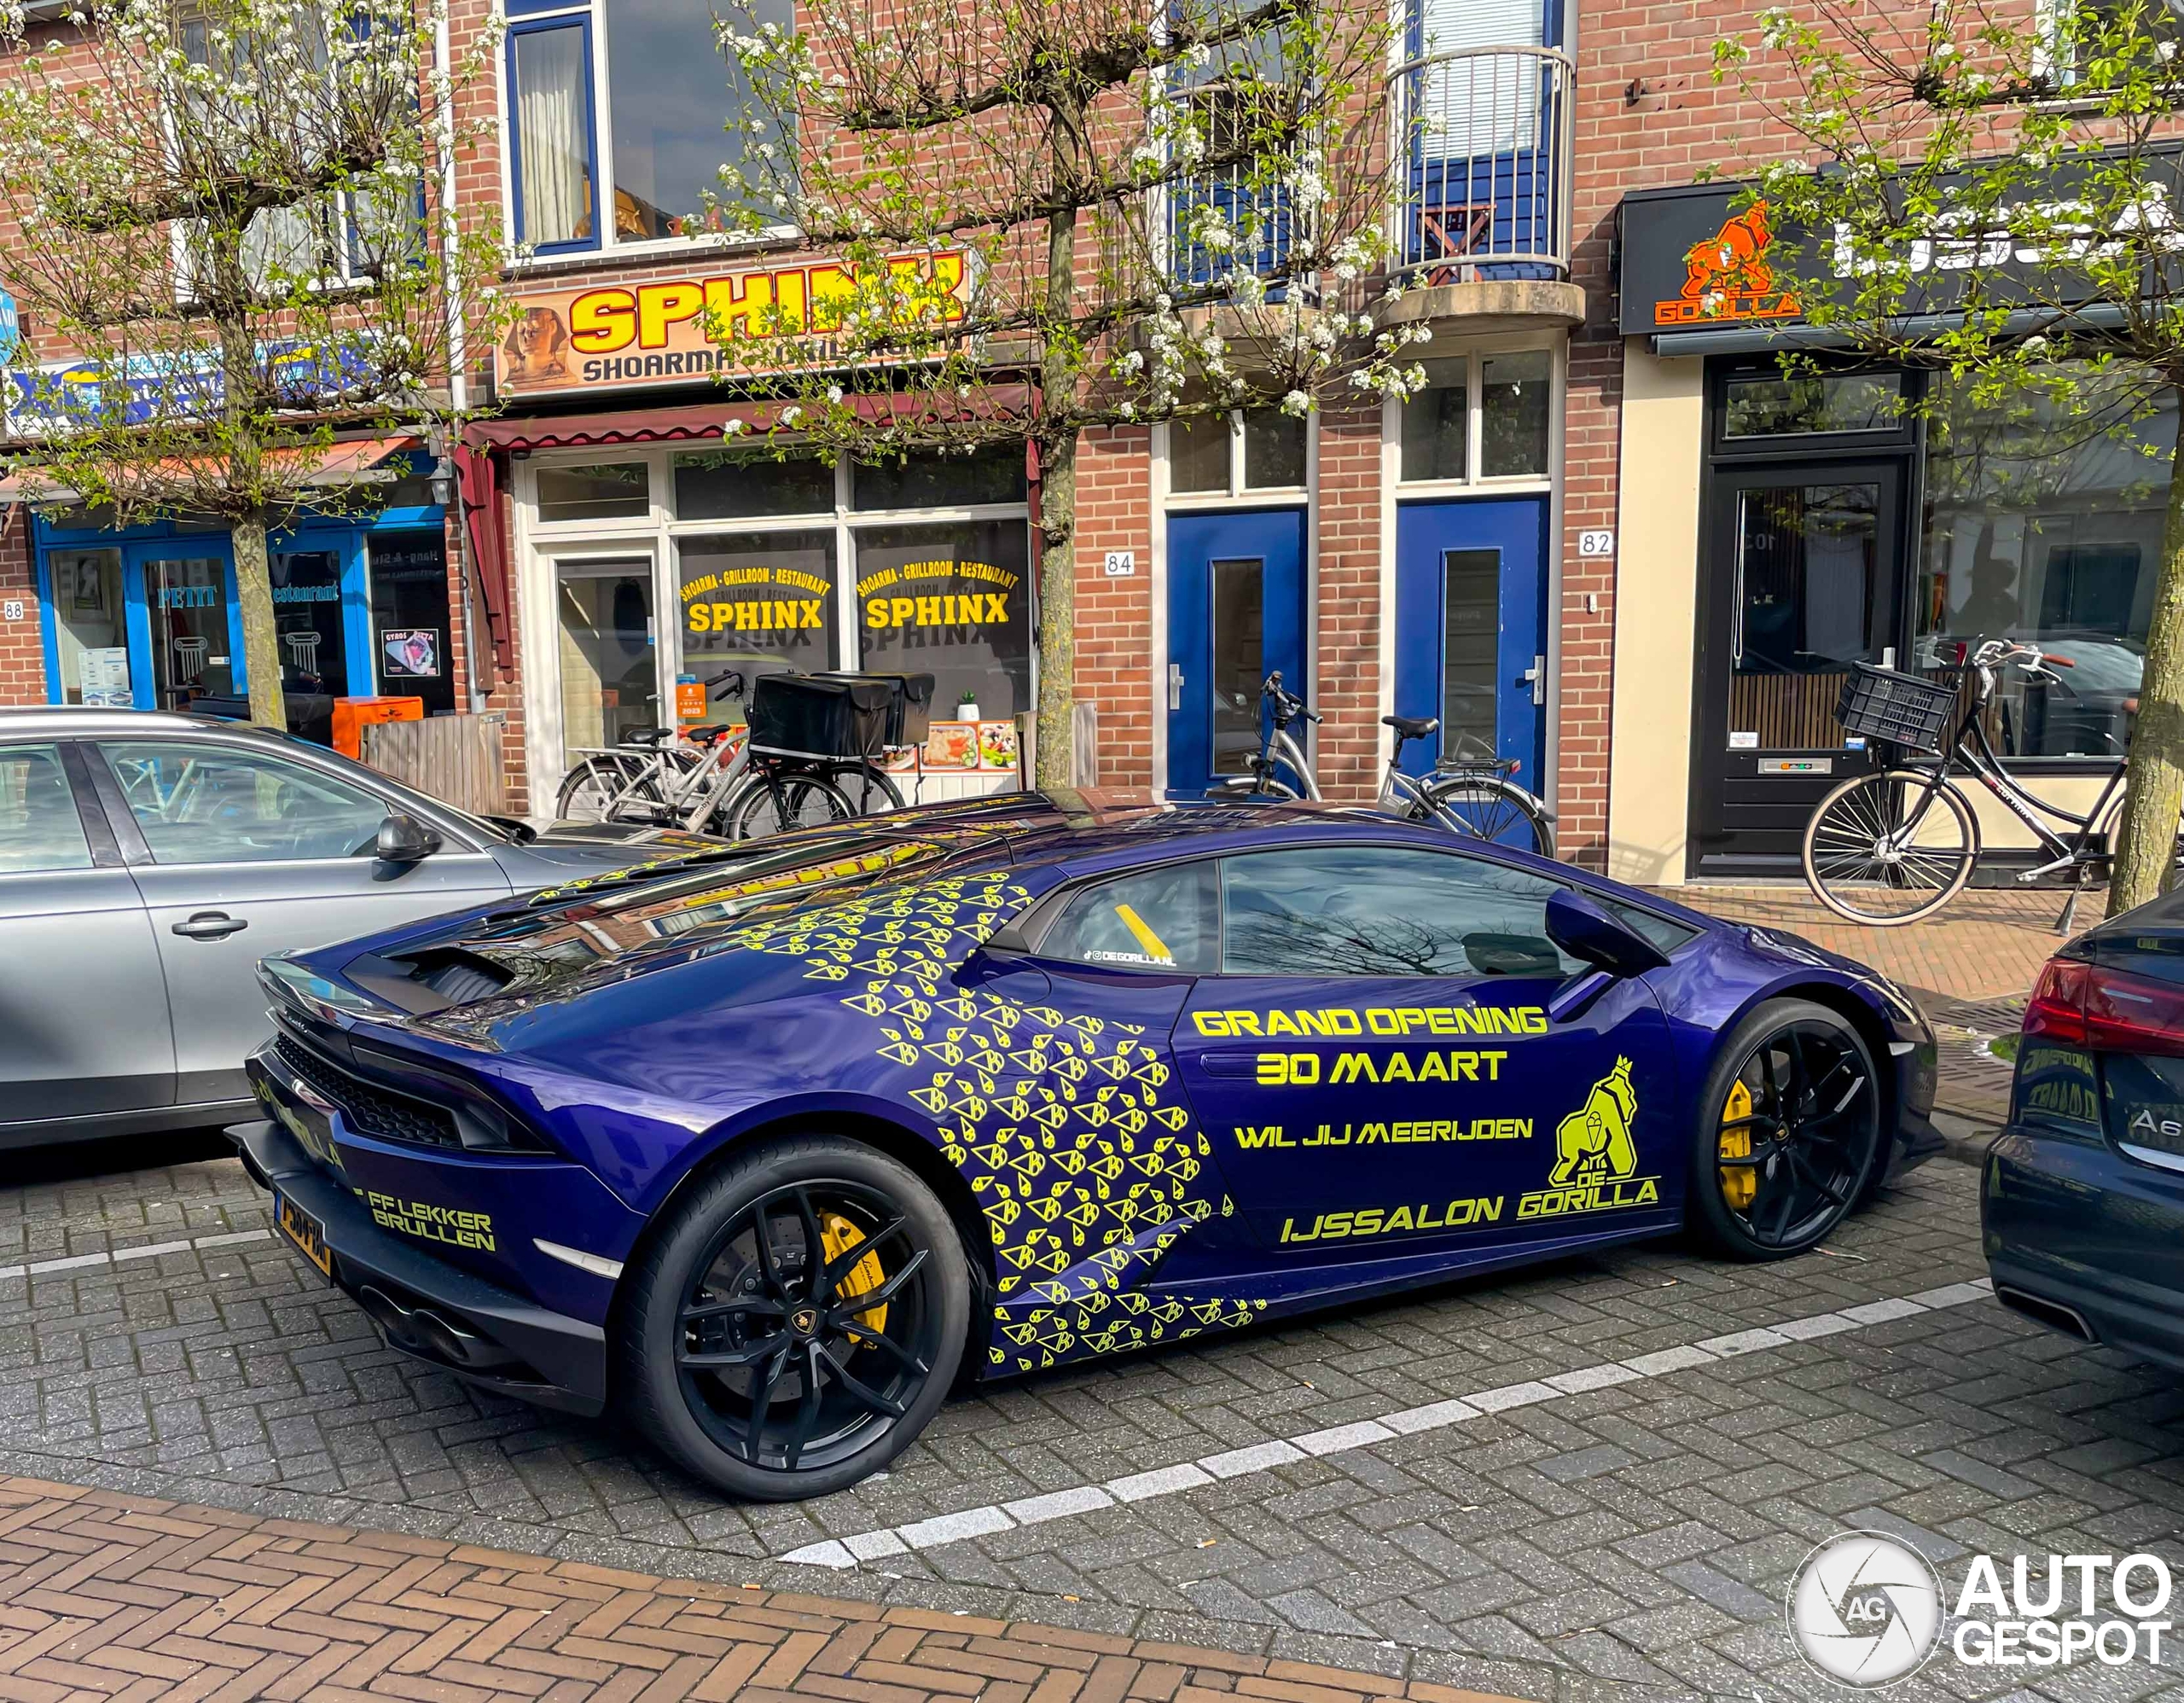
245	466
1057	743
2145	843
1057	611
261	643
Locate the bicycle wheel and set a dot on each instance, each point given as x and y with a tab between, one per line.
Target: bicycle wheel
868	788
600	789
1489	810
777	804
1889	849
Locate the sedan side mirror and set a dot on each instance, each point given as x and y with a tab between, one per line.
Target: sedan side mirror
405	839
1587	930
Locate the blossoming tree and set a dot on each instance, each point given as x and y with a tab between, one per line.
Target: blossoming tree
225	225
1054	216
1996	201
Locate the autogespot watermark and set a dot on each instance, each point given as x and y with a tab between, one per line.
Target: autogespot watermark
1868	1609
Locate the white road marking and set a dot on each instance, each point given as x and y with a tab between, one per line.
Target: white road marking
82	1261
1259	1457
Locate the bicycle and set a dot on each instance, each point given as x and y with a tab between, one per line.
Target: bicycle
1277	751
1889	847
1472	796
708	780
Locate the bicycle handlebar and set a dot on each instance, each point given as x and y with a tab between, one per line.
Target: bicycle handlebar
728	684
1288	706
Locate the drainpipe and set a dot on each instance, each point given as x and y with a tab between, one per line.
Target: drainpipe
458	353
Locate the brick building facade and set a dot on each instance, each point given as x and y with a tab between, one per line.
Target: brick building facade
1534	551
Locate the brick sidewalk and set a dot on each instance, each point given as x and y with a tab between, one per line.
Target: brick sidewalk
121	1598
1970	968
1987	942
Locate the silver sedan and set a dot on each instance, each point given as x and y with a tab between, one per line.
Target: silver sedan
149	861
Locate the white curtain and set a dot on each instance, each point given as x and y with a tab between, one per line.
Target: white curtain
554	125
1480	104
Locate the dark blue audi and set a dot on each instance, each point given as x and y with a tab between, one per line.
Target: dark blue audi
771	1146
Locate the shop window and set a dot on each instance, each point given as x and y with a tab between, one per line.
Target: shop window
1480	417
759	602
409	619
1372	911
39	827
88	626
724	485
992	474
610	677
2044	522
1514	391
1808	405
610	492
1259	449
307	622
953	602
659	149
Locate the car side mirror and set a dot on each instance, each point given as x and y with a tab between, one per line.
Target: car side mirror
405	839
1589	931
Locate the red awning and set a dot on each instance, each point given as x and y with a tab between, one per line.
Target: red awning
705	421
480	487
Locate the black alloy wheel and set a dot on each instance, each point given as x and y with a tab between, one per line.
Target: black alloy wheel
1790	1132
798	1322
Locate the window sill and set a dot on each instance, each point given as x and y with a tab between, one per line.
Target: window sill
771	241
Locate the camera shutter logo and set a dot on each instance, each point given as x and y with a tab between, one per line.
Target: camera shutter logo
1865	1608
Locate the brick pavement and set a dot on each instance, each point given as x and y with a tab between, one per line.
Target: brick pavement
1617	1544
130	1599
1988	942
1969	968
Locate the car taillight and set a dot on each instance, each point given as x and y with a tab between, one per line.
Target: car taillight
2106	1011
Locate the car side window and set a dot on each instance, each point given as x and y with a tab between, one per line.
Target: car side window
1164	919
1378	910
216	804
39	828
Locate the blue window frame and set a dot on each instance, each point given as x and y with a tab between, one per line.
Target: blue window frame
553	136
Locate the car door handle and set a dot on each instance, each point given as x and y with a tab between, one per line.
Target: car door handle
210	924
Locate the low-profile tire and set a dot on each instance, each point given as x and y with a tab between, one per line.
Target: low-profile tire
1776	1168
716	1331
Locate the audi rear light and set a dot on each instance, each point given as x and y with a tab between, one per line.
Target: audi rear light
2057	1007
2106	1011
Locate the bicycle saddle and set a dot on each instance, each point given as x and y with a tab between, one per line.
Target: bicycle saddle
1412	727
646	736
712	733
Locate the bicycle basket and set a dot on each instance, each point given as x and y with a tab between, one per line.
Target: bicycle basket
1902	709
795	715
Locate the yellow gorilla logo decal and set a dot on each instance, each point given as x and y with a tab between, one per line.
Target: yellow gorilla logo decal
1593	1142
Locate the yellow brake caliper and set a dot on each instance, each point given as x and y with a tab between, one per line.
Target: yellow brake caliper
1740	1183
837	1236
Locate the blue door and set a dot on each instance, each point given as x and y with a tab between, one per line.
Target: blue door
1236	614
182	620
1471	631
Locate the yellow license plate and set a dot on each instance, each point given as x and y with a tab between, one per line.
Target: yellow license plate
303	1230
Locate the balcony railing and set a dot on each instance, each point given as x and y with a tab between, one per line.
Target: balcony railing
1483	137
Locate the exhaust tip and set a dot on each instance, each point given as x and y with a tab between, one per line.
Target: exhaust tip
2052	1314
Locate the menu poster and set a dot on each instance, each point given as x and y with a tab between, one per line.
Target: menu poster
105	675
